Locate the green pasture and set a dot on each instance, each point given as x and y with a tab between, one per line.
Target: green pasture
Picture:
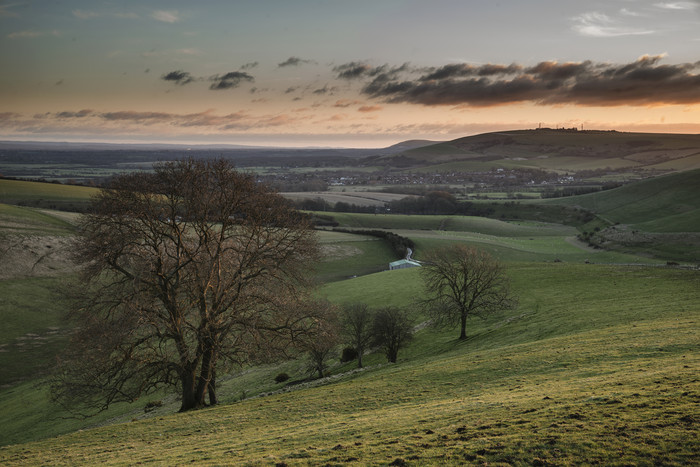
17	219
451	223
347	255
596	365
689	162
33	327
516	249
662	204
507	240
46	195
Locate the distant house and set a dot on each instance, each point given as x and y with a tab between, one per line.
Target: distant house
403	264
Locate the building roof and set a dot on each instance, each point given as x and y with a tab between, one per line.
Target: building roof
404	262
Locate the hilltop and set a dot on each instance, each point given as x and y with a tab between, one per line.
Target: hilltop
560	150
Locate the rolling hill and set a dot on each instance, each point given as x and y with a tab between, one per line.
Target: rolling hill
595	366
669	203
559	150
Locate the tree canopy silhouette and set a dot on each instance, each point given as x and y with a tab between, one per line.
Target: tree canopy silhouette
186	270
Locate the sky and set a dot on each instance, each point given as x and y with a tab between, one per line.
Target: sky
339	73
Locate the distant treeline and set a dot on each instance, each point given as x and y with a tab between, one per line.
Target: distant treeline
320	204
438	202
433	203
552	192
398	243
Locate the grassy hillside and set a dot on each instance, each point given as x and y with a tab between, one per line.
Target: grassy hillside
595	366
509	241
658	216
45	195
668	203
557	150
347	255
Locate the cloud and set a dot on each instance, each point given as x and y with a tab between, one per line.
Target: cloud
677	5
294	61
463	70
370	108
353	70
357	70
83	14
79	114
249	65
642	82
166	16
137	117
325	90
596	24
178	77
229	80
343	103
126	118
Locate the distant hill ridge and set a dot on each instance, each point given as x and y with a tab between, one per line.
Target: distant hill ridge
557	150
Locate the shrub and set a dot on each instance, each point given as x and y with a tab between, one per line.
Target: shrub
281	378
349	354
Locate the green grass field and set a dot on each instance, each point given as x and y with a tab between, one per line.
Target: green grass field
45	195
595	366
662	204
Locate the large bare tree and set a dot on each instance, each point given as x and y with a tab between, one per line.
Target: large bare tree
461	282
186	271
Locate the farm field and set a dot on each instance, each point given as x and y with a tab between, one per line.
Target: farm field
45	195
364	198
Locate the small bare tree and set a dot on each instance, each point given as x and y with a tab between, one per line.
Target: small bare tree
186	271
322	337
462	281
356	320
392	329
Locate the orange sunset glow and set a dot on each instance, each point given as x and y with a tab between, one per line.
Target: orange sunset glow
355	74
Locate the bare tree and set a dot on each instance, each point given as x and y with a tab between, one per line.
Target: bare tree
356	320
392	329
462	281
322	338
186	270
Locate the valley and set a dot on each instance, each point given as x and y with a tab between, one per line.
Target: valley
597	363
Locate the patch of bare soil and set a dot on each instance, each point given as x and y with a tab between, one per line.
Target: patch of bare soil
34	256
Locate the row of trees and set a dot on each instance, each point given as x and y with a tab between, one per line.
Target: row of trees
361	328
196	268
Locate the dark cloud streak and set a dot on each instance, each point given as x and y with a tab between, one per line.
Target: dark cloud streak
294	61
229	80
178	77
642	82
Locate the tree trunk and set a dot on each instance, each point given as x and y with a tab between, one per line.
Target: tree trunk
189	399
212	388
463	327
359	359
205	377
